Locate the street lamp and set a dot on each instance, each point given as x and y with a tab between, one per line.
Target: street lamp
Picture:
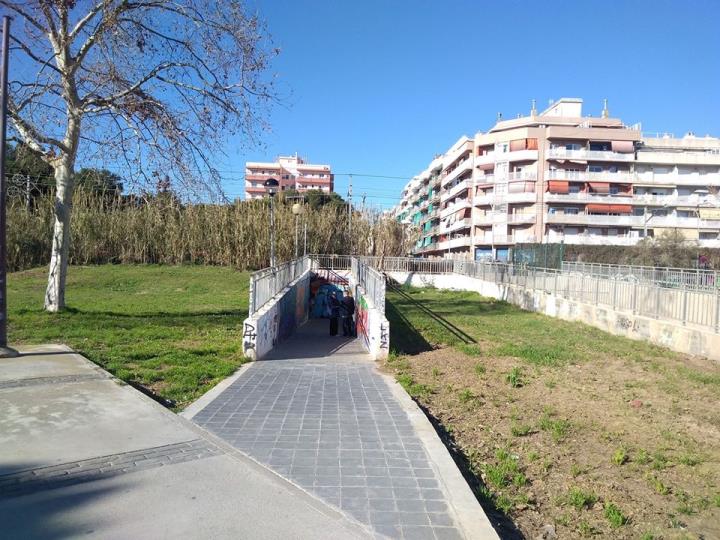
271	186
297	209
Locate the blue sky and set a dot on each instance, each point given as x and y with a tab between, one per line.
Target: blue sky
380	86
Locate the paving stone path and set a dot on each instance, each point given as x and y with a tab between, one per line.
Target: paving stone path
330	423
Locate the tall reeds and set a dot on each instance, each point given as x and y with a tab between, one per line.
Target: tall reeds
163	230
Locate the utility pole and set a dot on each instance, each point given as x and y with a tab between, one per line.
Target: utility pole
305	237
350	214
5	351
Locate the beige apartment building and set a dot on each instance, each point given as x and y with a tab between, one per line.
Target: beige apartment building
559	176
291	172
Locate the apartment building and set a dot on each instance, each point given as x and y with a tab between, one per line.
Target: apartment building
559	176
291	172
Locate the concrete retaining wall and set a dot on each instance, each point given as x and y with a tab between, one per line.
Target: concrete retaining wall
670	334
372	326
278	319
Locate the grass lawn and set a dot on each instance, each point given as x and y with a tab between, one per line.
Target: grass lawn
560	424
175	330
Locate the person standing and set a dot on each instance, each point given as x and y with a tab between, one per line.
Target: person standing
348	312
334	308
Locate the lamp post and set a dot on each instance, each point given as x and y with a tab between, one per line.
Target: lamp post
271	185
5	351
297	209
702	195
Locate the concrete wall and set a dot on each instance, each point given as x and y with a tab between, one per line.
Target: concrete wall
372	326
278	319
670	334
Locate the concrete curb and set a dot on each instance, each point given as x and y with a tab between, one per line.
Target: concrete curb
471	517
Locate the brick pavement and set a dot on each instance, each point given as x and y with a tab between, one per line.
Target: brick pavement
329	423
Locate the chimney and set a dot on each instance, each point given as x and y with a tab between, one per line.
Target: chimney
605	112
533	110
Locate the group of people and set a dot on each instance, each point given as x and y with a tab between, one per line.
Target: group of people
342	309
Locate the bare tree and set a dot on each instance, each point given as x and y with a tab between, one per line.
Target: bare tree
154	87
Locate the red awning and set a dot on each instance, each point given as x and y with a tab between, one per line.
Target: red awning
517	145
621	209
600	187
625	147
486	166
532	144
558	186
599	208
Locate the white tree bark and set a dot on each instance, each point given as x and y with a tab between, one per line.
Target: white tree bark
60	254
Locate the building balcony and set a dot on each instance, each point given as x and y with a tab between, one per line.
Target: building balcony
671	222
593	239
521	218
678	158
624	177
674	179
462	167
461	204
503	239
255	189
522	197
518	155
483	200
523	175
313	180
463	241
589	198
455	190
591	155
456	226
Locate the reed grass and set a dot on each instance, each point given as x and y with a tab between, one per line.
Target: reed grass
162	230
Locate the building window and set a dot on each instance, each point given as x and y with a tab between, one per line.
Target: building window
595	168
573	146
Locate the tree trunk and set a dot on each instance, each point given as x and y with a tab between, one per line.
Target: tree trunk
64	182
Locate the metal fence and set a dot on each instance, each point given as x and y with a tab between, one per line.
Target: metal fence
686	302
675	278
266	283
371	280
331	262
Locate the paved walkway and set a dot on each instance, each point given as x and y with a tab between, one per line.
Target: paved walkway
318	413
82	454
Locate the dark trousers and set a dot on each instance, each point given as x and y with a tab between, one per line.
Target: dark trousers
348	329
333	326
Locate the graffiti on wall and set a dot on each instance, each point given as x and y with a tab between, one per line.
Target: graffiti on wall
362	320
384	336
249	337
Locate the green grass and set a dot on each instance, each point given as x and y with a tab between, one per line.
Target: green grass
558	428
535	339
505	472
620	456
413	388
580	499
614	515
515	377
174	329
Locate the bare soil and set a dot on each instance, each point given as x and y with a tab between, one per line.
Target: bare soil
614	447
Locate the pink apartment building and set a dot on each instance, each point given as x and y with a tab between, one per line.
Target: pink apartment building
291	172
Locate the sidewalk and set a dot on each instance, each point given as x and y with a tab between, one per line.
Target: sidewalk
83	454
319	413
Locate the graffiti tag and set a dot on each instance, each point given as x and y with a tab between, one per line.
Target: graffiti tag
384	337
249	337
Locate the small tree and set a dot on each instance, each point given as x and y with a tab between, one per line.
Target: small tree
153	87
